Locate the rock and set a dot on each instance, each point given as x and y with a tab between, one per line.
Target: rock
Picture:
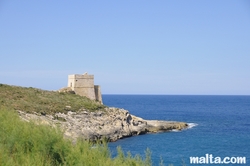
66	90
157	126
111	124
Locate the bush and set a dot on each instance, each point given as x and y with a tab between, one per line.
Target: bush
23	143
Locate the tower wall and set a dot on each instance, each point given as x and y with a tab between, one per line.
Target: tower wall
83	85
88	92
98	94
80	81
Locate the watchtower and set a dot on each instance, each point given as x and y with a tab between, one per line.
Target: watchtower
83	85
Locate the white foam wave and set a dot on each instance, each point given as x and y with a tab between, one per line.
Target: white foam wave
191	125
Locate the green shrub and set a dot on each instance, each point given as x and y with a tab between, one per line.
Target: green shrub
25	143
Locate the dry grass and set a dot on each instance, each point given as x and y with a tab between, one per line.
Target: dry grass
45	102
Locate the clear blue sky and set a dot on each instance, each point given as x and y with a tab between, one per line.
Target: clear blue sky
131	47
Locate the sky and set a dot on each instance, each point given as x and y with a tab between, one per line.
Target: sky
184	47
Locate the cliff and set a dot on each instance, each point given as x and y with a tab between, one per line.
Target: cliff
111	124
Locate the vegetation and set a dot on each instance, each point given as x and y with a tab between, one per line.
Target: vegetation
23	143
45	102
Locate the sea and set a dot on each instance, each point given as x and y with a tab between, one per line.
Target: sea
218	126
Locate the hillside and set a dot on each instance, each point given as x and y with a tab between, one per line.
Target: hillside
77	116
25	143
32	100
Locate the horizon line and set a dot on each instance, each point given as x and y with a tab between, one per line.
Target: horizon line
177	94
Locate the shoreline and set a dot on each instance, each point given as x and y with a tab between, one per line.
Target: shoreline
110	124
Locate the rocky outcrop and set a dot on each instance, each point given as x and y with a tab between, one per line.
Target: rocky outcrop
110	123
66	90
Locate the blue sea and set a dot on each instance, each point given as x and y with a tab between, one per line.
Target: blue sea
221	126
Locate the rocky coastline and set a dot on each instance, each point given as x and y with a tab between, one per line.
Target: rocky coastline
110	124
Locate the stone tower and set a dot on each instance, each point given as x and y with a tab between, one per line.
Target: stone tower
83	85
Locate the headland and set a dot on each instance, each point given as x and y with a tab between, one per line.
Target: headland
78	116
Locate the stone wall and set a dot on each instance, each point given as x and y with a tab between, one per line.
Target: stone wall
80	81
83	85
88	92
98	94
